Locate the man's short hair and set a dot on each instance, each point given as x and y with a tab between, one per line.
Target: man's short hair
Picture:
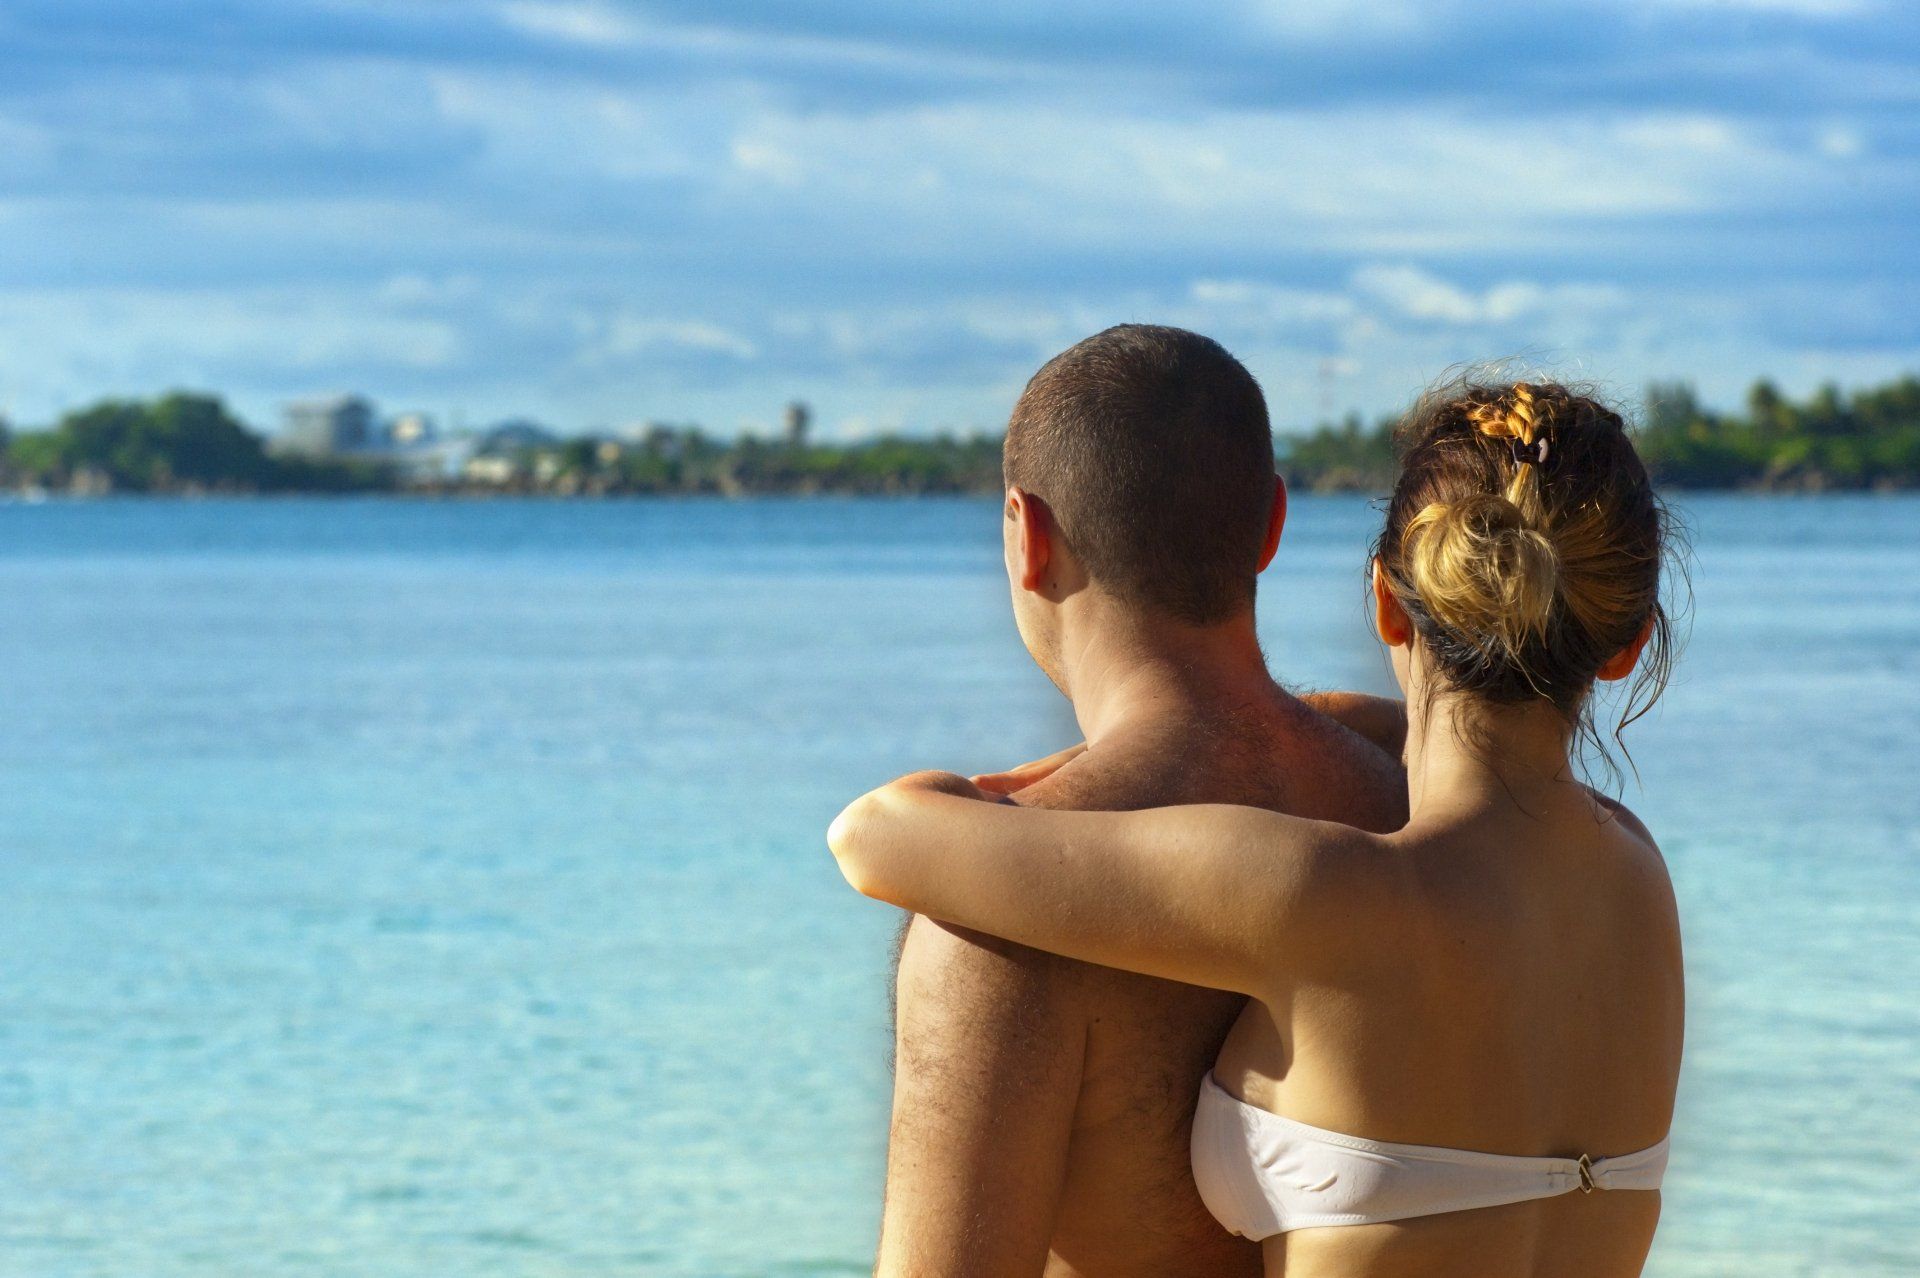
1151	447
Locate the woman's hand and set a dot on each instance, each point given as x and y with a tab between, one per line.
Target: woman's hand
1027	774
935	782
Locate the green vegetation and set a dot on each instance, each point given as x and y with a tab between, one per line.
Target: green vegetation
1346	458
686	461
190	443
178	443
1869	439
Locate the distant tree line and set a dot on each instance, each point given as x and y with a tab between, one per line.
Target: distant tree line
178	443
190	443
1868	439
668	461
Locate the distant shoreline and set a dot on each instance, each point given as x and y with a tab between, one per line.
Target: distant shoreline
483	496
189	444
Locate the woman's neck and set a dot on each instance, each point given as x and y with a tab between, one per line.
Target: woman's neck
1463	752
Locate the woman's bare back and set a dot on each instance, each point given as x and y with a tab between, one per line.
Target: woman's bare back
1507	983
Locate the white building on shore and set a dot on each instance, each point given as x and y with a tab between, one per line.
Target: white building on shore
330	426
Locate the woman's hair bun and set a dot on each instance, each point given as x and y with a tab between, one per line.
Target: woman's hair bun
1525	542
1481	570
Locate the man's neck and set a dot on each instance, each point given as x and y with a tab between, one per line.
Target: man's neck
1123	668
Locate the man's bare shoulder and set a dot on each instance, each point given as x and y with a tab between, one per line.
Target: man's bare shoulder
1335	774
1284	756
1147	771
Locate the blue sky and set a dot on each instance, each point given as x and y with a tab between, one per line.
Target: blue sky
597	212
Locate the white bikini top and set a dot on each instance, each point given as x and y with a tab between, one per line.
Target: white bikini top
1261	1174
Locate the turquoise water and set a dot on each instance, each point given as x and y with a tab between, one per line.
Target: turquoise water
432	889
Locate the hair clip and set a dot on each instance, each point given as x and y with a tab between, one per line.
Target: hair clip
1535	454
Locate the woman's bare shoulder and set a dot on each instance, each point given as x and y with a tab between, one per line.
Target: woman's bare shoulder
1639	865
1616	811
1640	853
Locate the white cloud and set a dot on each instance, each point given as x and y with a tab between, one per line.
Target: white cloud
622	135
901	222
1347	20
1842	142
1367	180
771	162
27	143
1410	292
1829	9
414	289
626	337
67	346
597	25
605	27
1262	301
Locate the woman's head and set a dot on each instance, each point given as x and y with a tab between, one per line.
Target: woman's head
1524	544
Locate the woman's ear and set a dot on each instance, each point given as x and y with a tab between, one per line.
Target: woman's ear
1276	522
1032	541
1621	663
1389	618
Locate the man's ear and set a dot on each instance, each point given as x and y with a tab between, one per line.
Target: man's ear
1389	618
1032	537
1621	663
1276	522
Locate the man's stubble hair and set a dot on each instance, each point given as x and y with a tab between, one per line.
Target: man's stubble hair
1151	447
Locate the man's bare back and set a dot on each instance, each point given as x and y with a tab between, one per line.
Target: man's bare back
1041	1105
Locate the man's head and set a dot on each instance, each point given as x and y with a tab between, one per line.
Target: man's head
1139	463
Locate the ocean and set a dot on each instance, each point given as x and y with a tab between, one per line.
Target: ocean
435	888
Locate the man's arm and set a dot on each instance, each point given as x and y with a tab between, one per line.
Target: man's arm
989	1042
1381	720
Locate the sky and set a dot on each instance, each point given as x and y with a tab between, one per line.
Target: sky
600	212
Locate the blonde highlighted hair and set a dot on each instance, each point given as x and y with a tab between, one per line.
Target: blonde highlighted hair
1525	541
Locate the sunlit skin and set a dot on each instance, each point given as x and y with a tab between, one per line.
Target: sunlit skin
1503	974
1042	1106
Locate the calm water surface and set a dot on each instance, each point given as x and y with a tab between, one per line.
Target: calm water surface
430	889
